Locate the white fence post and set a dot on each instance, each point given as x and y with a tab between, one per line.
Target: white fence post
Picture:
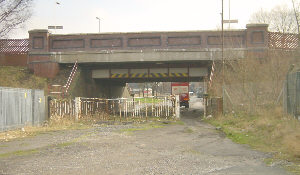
177	107
77	108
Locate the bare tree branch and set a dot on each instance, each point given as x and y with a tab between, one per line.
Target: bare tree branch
280	19
296	9
13	13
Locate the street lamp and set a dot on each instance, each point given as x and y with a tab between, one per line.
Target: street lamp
99	23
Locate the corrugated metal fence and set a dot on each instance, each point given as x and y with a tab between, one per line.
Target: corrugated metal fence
20	107
112	109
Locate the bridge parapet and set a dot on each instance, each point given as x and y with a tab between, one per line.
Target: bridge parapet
47	51
256	35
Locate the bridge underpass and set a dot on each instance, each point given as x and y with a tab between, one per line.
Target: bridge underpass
111	79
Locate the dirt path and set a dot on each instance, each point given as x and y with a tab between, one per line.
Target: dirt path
191	148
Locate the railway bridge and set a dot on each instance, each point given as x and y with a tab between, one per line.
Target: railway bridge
117	58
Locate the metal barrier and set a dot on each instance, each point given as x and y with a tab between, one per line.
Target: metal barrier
21	107
120	108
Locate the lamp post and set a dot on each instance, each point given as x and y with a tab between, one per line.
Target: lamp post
99	23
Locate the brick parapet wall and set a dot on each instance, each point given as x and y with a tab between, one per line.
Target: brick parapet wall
253	36
42	42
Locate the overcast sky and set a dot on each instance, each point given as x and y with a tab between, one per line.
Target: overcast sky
79	16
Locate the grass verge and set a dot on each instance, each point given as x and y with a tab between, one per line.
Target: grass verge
269	131
20	77
54	124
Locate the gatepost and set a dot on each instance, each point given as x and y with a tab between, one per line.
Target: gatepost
177	107
77	108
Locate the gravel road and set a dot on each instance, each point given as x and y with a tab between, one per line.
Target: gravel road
190	148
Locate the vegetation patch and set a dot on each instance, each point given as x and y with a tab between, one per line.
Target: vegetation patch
188	130
148	100
64	144
20	77
268	131
19	153
54	124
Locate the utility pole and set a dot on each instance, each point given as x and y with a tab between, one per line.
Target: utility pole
222	38
229	12
99	23
223	61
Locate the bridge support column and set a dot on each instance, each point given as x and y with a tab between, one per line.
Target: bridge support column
39	59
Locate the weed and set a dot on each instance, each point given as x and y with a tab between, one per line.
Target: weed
269	161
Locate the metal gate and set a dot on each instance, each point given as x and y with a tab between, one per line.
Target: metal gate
120	108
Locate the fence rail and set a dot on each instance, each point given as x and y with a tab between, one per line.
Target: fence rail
113	109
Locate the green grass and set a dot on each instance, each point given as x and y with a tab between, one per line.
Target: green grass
20	77
19	153
269	161
148	100
64	144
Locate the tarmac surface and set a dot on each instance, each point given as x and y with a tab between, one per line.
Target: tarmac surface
194	147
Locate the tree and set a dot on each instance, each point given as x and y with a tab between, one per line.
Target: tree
296	8
13	13
280	19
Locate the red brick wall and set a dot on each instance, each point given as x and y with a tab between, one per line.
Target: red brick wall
47	69
13	60
138	41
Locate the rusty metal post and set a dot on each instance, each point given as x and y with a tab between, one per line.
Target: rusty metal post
106	107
